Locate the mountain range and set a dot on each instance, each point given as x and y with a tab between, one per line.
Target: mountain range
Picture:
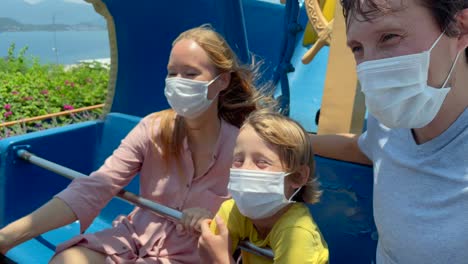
42	12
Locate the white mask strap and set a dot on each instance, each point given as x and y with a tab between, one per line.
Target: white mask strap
208	86
214	80
294	194
451	69
437	41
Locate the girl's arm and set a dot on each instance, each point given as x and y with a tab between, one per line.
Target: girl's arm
51	215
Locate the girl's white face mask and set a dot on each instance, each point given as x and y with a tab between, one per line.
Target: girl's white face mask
189	98
396	89
258	194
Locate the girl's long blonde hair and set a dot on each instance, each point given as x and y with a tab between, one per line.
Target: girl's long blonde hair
235	102
293	145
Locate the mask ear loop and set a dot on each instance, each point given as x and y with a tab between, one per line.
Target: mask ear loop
451	69
294	194
208	87
437	41
454	63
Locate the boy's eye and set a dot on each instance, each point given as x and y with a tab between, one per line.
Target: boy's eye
237	163
262	164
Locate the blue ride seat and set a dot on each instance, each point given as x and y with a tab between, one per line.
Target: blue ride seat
82	147
344	213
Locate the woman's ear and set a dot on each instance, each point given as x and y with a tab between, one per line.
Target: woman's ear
462	25
301	177
224	80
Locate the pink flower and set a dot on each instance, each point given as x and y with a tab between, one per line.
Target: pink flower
15	92
66	82
7	114
45	92
7	107
72	84
68	107
28	98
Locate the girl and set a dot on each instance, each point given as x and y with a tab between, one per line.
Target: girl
272	175
183	156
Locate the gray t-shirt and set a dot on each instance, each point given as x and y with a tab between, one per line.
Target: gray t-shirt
420	193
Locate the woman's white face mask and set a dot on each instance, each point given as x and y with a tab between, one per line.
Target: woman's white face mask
258	194
397	92
189	98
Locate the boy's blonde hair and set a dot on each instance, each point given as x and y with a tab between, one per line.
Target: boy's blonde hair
293	145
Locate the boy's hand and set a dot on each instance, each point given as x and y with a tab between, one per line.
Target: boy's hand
214	248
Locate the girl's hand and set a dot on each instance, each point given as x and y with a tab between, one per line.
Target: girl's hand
191	219
214	248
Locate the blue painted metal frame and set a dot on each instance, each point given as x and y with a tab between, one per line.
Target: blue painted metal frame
145	31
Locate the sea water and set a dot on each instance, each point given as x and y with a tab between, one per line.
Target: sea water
64	47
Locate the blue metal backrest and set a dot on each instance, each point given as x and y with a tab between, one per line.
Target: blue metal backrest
344	214
145	30
264	24
24	187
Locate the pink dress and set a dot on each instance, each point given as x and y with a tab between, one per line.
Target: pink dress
143	237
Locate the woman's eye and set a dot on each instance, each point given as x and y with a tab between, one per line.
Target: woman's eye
171	74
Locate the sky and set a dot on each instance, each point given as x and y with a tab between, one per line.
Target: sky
33	2
42	11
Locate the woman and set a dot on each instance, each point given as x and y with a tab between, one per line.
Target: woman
183	156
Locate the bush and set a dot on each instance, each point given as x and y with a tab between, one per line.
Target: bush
29	89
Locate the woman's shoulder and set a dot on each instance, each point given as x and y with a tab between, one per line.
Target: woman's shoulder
151	122
228	128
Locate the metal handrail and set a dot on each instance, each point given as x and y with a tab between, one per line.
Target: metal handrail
130	197
58	114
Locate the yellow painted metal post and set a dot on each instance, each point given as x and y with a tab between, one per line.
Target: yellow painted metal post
343	106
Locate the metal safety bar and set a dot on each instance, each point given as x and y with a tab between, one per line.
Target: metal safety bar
130	197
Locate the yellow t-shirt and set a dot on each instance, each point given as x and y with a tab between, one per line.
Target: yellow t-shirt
295	238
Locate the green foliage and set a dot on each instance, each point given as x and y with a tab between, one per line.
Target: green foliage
29	89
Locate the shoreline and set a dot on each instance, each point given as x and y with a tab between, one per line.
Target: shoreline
105	62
